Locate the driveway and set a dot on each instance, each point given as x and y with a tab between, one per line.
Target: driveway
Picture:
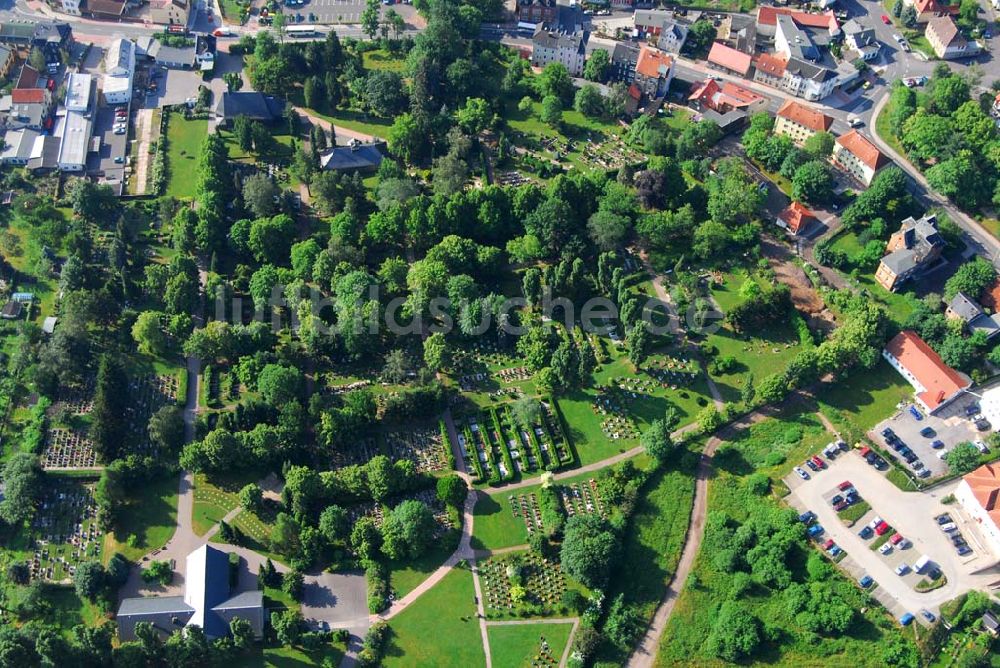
910	513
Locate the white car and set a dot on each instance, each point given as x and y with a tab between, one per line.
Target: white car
980	446
875	522
902	569
898	38
885	549
802	473
855	122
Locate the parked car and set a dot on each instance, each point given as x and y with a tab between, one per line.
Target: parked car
937	444
866	533
882	528
879	463
815	530
835	500
917	465
958	541
812	465
818	462
807	517
885	548
906	619
888	432
885	20
801	473
855	122
964	550
934	574
928	615
980	446
924	473
844	485
828	544
840	506
927	432
896	539
902	569
875	522
972	409
835	550
866	581
917	415
949	526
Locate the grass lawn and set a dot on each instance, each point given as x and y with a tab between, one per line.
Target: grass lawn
292	657
184	139
862	398
357	121
883	131
216	497
846	242
381	59
518	646
151	518
404	577
774	446
438	629
763	353
69	610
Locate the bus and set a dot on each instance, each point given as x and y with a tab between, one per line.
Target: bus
301	31
176	29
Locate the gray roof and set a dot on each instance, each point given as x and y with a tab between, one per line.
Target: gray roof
153	605
252	104
352	158
808	70
900	261
172	54
651	17
548	39
800	43
48	156
964	308
924	238
862	34
18	144
247	599
990	621
625	53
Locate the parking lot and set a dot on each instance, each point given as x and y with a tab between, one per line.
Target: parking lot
909	513
342	11
949	427
109	161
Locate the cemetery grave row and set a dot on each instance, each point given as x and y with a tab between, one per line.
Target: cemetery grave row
521	584
424	446
64	531
578	498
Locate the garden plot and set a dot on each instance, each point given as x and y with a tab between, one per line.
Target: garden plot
524	584
64	532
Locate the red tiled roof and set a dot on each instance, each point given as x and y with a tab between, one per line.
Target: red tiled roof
653	63
28	78
984	483
28	95
729	58
768	15
865	151
738	96
704	91
796	217
771	65
940	381
804	116
634	92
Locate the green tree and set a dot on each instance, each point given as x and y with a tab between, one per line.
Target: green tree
370	18
971	278
657	441
451	490
963	458
588	101
251	497
293	584
820	145
812	183
552	109
279	384
287	625
555	80
166	428
475	116
408	530
148	333
259	192
735	634
597	65
334	523
589	545
437	355
89	579
407	138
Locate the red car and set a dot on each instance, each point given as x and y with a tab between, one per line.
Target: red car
885	19
865	451
844	485
818	462
828	544
881	528
896	539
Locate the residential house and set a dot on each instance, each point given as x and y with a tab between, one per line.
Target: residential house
45	155
912	250
169	12
861	40
78	91
653	72
725	97
73	128
6	61
106	9
669	29
73	7
819	24
979	495
255	106
929	9
947	40
791	41
173	57
207	602
18	146
572	18
858	156
673	34
800	122
31	102
739	32
769	70
537	11
119	70
11	310
570	49
204	52
649	22
729	59
964	308
990	621
355	157
623	61
935	383
49	37
795	218
813	81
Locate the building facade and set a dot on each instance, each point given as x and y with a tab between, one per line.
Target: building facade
800	122
858	157
554	47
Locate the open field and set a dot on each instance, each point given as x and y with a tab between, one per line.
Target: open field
521	645
184	139
147	523
864	397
